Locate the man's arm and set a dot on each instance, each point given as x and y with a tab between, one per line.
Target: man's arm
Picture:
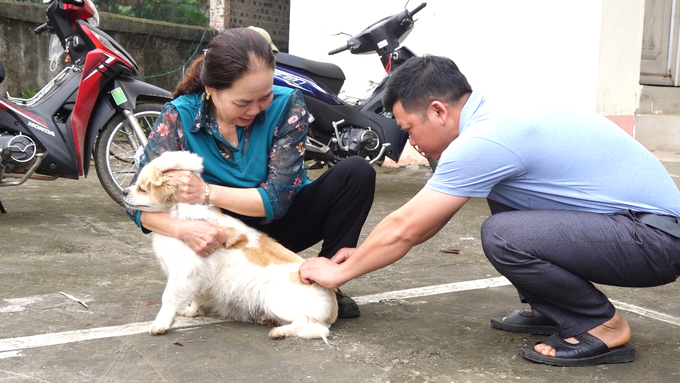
415	222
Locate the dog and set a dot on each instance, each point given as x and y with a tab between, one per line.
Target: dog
250	278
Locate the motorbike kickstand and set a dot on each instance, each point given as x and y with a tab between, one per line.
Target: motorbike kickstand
2	208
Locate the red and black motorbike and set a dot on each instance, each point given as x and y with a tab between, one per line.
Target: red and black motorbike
94	103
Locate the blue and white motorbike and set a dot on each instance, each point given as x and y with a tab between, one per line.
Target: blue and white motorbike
339	129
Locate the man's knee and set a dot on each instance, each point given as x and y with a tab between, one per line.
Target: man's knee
495	234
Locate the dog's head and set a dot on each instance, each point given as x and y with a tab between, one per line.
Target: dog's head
156	190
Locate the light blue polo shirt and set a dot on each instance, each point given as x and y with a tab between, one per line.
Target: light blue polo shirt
552	159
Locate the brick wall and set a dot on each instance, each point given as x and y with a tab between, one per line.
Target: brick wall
270	15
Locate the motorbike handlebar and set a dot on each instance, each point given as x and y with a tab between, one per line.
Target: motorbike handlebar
418	8
338	50
41	28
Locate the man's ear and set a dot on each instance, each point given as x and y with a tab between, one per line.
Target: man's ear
438	111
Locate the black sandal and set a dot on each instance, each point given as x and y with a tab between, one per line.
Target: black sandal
531	322
590	351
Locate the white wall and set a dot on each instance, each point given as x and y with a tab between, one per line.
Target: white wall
620	51
515	51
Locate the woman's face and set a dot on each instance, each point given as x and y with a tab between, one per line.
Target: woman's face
248	96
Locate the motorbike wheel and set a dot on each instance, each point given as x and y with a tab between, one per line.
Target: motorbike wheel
117	146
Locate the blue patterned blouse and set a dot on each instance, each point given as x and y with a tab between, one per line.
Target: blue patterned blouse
269	155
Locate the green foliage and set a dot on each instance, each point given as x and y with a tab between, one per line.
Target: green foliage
26	93
188	12
194	14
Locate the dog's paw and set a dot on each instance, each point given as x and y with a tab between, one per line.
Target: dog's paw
264	320
277	333
158	330
192	312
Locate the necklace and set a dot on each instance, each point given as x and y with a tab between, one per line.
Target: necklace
230	137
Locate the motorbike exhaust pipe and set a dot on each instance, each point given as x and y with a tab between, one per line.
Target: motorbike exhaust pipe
38	160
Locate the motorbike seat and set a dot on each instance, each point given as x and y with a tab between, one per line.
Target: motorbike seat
329	75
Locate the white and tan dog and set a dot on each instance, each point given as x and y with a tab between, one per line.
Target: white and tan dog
252	277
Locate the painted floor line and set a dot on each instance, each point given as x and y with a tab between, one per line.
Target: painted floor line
10	346
646	312
20	343
54	339
434	290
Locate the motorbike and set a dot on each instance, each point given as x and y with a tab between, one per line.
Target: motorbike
93	104
339	129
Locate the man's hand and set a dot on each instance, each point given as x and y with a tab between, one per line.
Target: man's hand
343	254
202	237
320	270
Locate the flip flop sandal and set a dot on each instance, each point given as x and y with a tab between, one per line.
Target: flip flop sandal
531	322
590	351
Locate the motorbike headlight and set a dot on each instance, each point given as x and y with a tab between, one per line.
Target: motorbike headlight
94	19
113	48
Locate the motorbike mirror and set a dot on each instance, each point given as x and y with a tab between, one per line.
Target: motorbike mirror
384	36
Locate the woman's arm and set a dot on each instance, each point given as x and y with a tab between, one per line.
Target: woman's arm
164	136
285	175
244	201
200	236
287	156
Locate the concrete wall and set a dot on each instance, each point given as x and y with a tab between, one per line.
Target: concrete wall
618	81
157	47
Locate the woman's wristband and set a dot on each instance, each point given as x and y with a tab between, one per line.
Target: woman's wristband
207	193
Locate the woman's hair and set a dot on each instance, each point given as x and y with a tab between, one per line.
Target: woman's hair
229	56
421	80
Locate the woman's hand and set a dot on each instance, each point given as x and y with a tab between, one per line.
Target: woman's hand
201	237
191	188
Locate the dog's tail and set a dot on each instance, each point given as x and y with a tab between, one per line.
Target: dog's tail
304	328
313	330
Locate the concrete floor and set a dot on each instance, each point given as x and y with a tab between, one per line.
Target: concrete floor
69	236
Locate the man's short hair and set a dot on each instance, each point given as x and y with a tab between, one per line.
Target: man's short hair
421	80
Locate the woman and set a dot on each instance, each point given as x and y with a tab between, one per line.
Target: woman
251	135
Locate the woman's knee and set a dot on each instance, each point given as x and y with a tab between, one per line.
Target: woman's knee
358	167
355	172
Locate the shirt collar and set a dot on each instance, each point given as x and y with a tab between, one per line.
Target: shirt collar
473	108
205	120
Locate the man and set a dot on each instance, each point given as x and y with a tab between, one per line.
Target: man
574	200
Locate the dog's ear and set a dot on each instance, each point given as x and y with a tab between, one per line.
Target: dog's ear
163	187
180	160
193	162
